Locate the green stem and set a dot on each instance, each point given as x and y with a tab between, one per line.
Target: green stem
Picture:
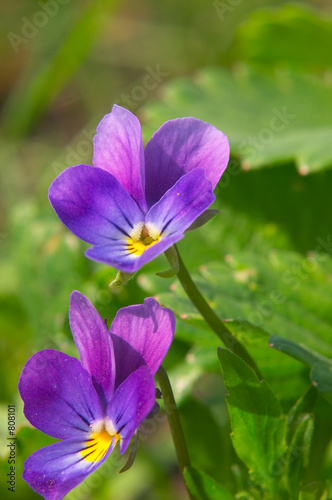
174	421
211	318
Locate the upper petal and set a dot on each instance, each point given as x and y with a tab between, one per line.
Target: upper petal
56	469
148	329
118	148
182	204
94	344
93	204
179	146
131	403
59	398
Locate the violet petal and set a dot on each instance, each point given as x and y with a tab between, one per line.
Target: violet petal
93	204
178	147
118	256
182	204
94	344
59	398
118	148
148	328
56	469
131	403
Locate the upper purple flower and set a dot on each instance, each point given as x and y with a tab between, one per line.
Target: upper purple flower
93	404
132	205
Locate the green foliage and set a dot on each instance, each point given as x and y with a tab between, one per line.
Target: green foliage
292	115
261	73
321	366
292	36
298	454
279	292
47	80
313	491
258	425
204	487
300	424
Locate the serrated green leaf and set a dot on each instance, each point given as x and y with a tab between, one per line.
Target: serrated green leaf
292	114
204	487
321	366
257	420
278	292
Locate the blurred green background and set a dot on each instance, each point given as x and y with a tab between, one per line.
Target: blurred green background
259	70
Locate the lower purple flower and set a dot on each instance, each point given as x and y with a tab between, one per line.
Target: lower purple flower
97	402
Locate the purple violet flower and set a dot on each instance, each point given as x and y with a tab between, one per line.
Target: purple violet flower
93	404
132	205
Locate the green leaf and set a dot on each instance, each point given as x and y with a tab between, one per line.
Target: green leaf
279	292
258	424
268	119
208	450
248	332
293	35
204	487
321	366
302	407
313	491
297	458
172	258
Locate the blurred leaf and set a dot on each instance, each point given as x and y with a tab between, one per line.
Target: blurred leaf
47	259
248	332
313	491
206	449
32	95
321	367
258	424
268	120
294	35
15	337
304	405
204	487
297	458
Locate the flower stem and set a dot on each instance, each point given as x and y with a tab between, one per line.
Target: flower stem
174	420
216	324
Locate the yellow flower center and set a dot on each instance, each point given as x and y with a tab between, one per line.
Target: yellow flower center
98	444
142	237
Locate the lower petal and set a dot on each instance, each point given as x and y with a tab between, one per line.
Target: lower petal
118	254
182	204
55	470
